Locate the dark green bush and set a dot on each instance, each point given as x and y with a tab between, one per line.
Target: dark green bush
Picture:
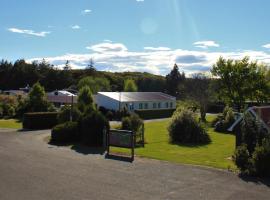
261	159
40	120
241	158
132	123
64	114
253	157
155	114
92	126
65	133
185	129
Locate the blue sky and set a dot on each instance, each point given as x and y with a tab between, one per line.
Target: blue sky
135	35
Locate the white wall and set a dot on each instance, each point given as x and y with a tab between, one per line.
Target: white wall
106	102
109	103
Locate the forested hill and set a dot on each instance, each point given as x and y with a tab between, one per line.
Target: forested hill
19	74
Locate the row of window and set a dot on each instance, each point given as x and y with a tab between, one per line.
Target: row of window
155	105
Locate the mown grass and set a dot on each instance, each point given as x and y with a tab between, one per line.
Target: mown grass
216	154
10	123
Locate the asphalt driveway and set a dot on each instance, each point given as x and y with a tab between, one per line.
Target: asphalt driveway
32	169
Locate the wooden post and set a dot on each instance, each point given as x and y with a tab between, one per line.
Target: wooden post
143	135
108	143
132	145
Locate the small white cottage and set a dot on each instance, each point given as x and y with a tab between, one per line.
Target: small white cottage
135	100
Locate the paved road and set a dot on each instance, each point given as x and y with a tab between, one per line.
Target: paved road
32	169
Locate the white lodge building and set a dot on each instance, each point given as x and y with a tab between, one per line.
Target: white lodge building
135	100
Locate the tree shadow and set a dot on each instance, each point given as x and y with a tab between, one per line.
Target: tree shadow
256	180
119	158
190	145
86	150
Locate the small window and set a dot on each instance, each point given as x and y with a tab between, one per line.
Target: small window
154	105
159	105
167	105
140	106
146	106
171	104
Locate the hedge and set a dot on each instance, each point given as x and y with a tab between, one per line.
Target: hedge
155	114
65	133
40	120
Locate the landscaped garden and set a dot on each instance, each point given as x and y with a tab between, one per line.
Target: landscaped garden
215	154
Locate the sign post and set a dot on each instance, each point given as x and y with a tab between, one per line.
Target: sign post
122	139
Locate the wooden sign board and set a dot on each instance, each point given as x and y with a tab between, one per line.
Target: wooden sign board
121	138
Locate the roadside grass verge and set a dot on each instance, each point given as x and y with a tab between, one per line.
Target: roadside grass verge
216	154
10	123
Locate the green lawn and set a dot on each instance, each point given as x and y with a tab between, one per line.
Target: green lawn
216	154
10	123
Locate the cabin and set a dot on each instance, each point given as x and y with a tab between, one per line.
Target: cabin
260	113
132	101
61	97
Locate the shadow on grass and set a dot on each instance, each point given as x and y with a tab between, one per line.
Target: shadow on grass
256	180
119	158
190	145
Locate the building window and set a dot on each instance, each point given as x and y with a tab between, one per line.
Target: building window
167	105
154	105
146	106
159	105
140	106
171	104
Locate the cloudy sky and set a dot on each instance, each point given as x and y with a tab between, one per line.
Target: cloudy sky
135	35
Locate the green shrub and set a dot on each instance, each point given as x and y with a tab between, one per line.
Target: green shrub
40	120
11	112
155	114
65	133
92	127
132	123
64	114
224	121
241	158
184	128
261	159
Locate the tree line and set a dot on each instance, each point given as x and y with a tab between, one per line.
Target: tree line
233	82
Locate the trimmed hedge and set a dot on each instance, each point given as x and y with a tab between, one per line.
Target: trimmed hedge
155	114
65	133
40	120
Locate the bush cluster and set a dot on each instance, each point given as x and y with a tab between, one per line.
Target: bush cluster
89	124
8	106
133	123
40	120
112	114
224	121
253	156
66	111
185	129
65	132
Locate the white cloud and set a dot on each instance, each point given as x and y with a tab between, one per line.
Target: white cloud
108	47
75	27
140	0
267	46
157	48
86	11
117	58
205	44
29	32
